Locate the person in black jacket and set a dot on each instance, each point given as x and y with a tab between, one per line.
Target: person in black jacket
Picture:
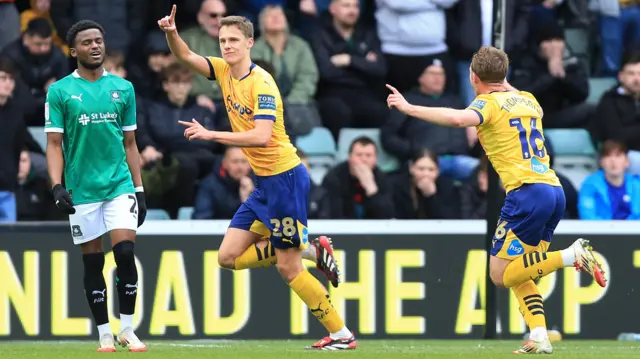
468	30
12	140
556	78
618	113
352	70
356	188
403	136
222	192
421	193
161	134
34	200
40	64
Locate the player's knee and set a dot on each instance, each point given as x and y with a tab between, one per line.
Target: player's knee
226	260
497	277
123	253
289	271
93	264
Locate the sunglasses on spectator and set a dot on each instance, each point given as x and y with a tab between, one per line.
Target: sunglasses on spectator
214	15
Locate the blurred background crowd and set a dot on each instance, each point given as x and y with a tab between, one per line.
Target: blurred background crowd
331	59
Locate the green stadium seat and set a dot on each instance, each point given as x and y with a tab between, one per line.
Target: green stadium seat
39	135
157	215
319	142
386	162
577	40
570	142
185	213
598	86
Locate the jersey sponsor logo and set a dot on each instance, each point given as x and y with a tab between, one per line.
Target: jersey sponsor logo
479	104
96	118
78	97
76	231
538	167
266	102
115	95
515	248
233	106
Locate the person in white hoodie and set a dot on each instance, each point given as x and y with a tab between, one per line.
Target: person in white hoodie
413	34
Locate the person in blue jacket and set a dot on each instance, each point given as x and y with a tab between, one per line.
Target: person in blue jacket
611	193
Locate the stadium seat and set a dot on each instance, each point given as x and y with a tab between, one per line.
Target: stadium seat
157	215
317	173
570	142
598	86
386	162
577	40
319	146
185	213
39	135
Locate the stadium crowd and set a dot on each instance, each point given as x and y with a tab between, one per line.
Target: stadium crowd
331	59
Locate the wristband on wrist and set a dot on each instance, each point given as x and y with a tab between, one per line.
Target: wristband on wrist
139	189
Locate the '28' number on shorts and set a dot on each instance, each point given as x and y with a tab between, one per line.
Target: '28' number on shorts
286	227
133	206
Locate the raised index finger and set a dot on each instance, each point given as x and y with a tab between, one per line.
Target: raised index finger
188	124
393	89
173	12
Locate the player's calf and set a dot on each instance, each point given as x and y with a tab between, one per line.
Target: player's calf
126	280
95	290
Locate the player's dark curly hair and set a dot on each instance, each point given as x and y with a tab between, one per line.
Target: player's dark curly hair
81	26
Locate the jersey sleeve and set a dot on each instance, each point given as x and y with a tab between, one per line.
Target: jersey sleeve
129	114
484	107
216	67
53	112
266	98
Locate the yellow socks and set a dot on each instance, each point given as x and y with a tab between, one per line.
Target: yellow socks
261	254
531	305
315	296
531	266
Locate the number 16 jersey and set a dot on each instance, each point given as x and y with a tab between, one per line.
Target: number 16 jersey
511	134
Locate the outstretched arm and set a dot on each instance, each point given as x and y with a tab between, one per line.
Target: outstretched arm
438	115
260	136
180	49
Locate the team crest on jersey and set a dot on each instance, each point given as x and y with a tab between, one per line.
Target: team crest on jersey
76	231
115	95
479	104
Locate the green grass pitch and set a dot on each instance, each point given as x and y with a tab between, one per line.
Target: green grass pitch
388	349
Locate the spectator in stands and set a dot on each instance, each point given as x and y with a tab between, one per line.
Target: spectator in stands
356	188
316	193
9	23
204	40
470	26
160	134
352	70
618	113
147	77
295	68
403	136
421	193
34	200
556	78
123	21
167	184
114	63
570	192
226	188
611	193
619	31
12	139
413	34
40	10
39	64
473	194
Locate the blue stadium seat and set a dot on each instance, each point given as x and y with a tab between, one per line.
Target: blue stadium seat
598	86
570	142
319	142
185	213
157	215
386	162
39	135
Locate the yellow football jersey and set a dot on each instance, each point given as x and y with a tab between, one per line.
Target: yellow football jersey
511	134
256	97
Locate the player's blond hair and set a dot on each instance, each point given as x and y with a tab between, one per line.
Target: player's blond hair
242	23
490	65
